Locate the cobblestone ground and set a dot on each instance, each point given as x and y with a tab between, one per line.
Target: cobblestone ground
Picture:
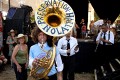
8	74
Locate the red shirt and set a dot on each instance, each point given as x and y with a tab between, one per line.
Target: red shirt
83	28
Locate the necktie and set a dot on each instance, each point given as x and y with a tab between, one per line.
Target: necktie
68	46
104	38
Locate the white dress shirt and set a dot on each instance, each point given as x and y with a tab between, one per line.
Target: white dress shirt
99	22
62	46
109	35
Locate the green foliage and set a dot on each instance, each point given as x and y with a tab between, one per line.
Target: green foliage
32	18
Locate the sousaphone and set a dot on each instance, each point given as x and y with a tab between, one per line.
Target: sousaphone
55	18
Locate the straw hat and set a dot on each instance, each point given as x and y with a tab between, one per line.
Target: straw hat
22	35
12	31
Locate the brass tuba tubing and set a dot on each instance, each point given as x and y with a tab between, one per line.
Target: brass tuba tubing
55	18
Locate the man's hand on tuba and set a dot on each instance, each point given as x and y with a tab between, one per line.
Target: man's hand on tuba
35	62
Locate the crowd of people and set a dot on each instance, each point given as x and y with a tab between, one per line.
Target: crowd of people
23	55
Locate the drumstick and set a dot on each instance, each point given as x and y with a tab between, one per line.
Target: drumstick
73	46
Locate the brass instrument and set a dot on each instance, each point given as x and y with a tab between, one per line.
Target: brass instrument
44	66
55	18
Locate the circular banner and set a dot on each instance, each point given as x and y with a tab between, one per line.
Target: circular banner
55	17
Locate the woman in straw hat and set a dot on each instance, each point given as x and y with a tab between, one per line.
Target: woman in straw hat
11	41
20	57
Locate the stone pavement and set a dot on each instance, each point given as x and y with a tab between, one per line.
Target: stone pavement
8	74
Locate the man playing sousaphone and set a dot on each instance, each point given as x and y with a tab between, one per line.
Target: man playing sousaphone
43	44
53	18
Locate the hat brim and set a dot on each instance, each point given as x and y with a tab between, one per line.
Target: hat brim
12	32
26	38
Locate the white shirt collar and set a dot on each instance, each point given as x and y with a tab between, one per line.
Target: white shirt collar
106	32
44	45
69	38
